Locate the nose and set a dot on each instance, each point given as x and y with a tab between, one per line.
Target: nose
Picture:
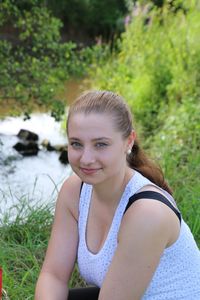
87	156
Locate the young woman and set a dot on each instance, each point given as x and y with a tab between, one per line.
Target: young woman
116	216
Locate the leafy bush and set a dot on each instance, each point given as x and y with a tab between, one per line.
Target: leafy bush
98	17
157	64
33	61
157	71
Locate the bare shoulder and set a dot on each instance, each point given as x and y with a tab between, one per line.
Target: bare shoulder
152	217
68	197
147	214
71	184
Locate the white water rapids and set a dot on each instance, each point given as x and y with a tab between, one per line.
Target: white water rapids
35	178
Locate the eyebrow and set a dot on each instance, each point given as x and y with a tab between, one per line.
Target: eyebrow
94	140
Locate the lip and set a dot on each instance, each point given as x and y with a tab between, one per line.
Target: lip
88	171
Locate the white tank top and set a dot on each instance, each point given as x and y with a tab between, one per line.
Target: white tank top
178	273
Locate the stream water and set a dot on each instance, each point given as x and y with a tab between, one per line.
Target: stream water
35	178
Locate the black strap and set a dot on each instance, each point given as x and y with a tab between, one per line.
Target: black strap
154	196
81	187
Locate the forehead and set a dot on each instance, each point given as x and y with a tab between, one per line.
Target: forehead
92	123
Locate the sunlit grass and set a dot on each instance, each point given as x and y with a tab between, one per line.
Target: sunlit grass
23	243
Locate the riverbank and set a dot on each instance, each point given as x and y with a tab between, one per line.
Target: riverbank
39	176
70	90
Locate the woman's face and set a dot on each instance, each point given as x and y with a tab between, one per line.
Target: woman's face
96	150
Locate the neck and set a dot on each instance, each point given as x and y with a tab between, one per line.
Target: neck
110	192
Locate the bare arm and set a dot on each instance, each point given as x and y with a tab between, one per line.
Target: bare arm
62	249
146	230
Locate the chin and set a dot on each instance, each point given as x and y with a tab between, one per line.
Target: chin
90	179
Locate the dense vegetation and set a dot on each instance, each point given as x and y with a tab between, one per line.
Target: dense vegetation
103	18
98	18
41	46
34	62
157	71
156	68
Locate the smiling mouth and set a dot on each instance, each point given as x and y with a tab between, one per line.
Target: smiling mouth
89	171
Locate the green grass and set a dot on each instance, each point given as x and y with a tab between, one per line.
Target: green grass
23	243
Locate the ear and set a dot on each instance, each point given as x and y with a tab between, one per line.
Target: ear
130	140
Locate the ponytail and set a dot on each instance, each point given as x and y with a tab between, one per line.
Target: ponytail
139	161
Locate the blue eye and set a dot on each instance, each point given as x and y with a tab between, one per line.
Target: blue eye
101	145
76	145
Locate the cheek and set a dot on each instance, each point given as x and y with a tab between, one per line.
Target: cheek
118	156
72	156
110	157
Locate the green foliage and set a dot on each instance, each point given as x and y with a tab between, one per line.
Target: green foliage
176	146
98	17
103	18
106	17
33	61
174	4
157	64
23	243
157	70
